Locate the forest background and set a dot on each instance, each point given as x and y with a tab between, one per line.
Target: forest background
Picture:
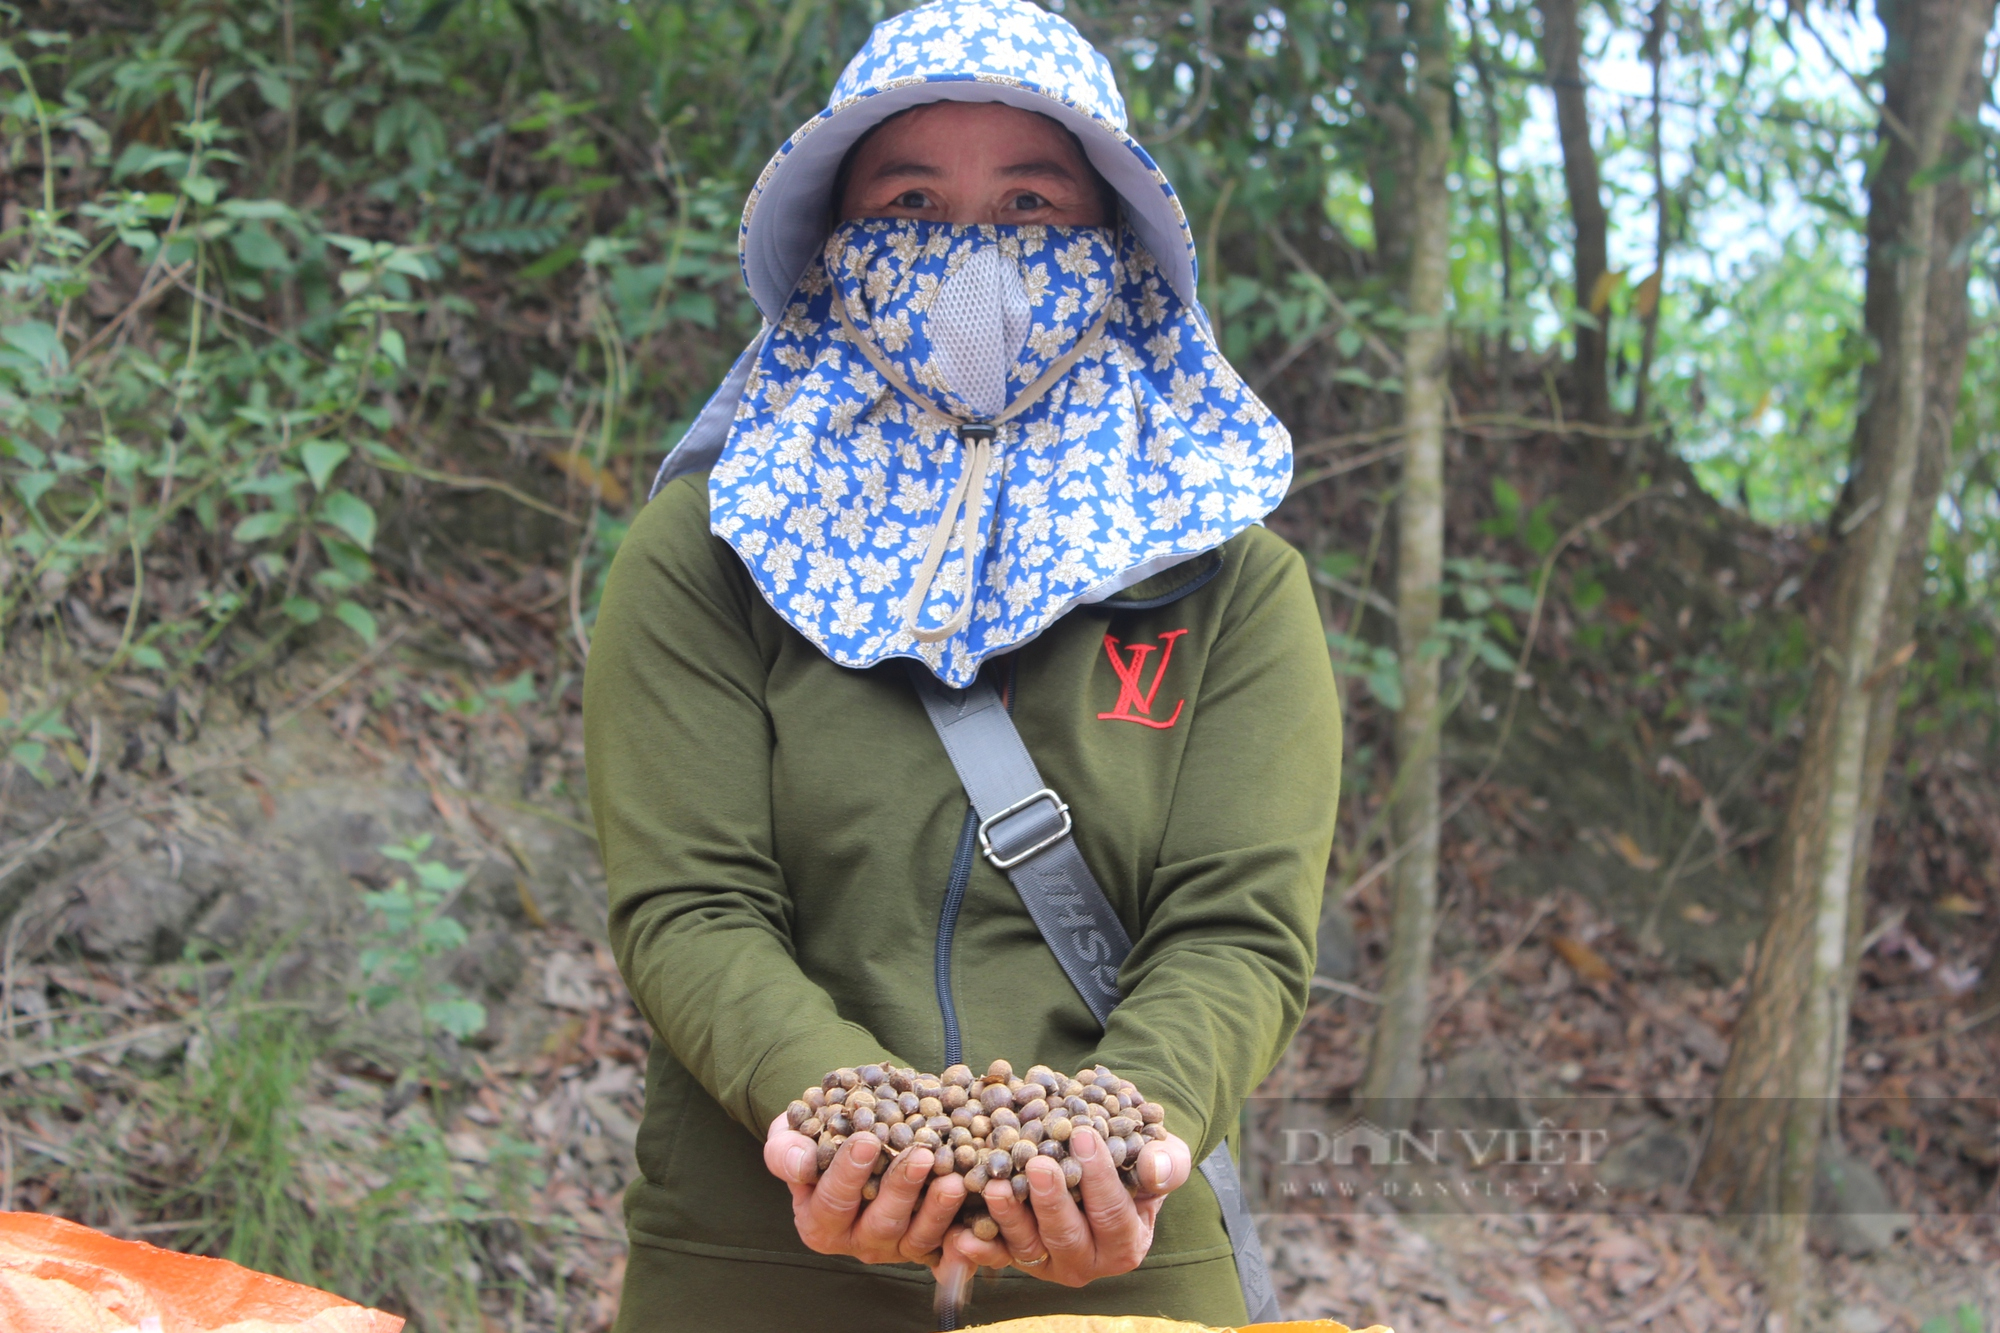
339	338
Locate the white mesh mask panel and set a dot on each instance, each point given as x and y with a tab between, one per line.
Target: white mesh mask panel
978	322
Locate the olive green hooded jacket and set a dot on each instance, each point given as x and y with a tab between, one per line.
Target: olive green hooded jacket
779	832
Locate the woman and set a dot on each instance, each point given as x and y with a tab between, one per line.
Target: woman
985	436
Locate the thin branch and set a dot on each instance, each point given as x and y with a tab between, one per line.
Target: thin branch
1889	117
1382	351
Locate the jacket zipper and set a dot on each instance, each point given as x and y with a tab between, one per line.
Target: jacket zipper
954	899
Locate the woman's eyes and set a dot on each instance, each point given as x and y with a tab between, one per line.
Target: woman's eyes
918	201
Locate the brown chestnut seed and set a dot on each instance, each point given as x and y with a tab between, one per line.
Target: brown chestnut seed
1093	1094
1001	1070
958	1076
929	1106
1133	1143
1035	1131
825	1154
980	1127
992	1097
1116	1148
872	1074
1050	1148
1004	1137
863	1119
965	1156
1072	1173
938	1124
815	1097
986	1228
1004	1118
1019	1184
860	1097
839	1123
1153	1133
871	1189
943	1165
908	1102
1023	1153
1123	1125
953	1097
963	1115
975	1180
1152	1112
812	1126
999	1165
1060	1128
797	1114
1034	1110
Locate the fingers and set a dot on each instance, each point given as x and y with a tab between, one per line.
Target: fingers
1057	1221
1165	1166
1017	1226
789	1155
830	1211
1115	1227
933	1219
884	1221
960	1243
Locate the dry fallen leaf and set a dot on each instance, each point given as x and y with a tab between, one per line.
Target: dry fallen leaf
1585	961
585	473
1957	904
1634	856
1701	916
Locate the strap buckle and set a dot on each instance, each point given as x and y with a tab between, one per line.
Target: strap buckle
1006	862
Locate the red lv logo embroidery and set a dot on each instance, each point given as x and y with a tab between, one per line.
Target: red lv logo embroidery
1135	705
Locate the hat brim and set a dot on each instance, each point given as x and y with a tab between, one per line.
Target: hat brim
785	217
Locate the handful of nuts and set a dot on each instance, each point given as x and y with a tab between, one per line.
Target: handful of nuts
979	1128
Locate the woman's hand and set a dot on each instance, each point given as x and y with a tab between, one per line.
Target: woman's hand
831	1215
1059	1242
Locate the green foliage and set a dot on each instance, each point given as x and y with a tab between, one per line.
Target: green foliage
412	932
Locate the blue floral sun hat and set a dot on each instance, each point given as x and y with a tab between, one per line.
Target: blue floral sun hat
879	505
958	51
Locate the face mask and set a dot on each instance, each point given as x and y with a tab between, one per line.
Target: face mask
973	324
888	500
969	316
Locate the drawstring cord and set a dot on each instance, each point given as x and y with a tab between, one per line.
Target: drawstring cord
965	508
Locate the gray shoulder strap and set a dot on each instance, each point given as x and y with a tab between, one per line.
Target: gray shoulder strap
702	444
1024	830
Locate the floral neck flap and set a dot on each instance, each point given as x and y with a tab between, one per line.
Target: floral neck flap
997	424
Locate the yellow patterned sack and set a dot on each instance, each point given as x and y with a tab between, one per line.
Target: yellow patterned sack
1137	1324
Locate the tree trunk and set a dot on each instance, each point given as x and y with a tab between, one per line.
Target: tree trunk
1947	335
1562	57
1784	1062
1395	1058
1489	106
1653	289
1385	91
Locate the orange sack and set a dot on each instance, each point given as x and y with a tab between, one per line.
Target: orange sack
58	1277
